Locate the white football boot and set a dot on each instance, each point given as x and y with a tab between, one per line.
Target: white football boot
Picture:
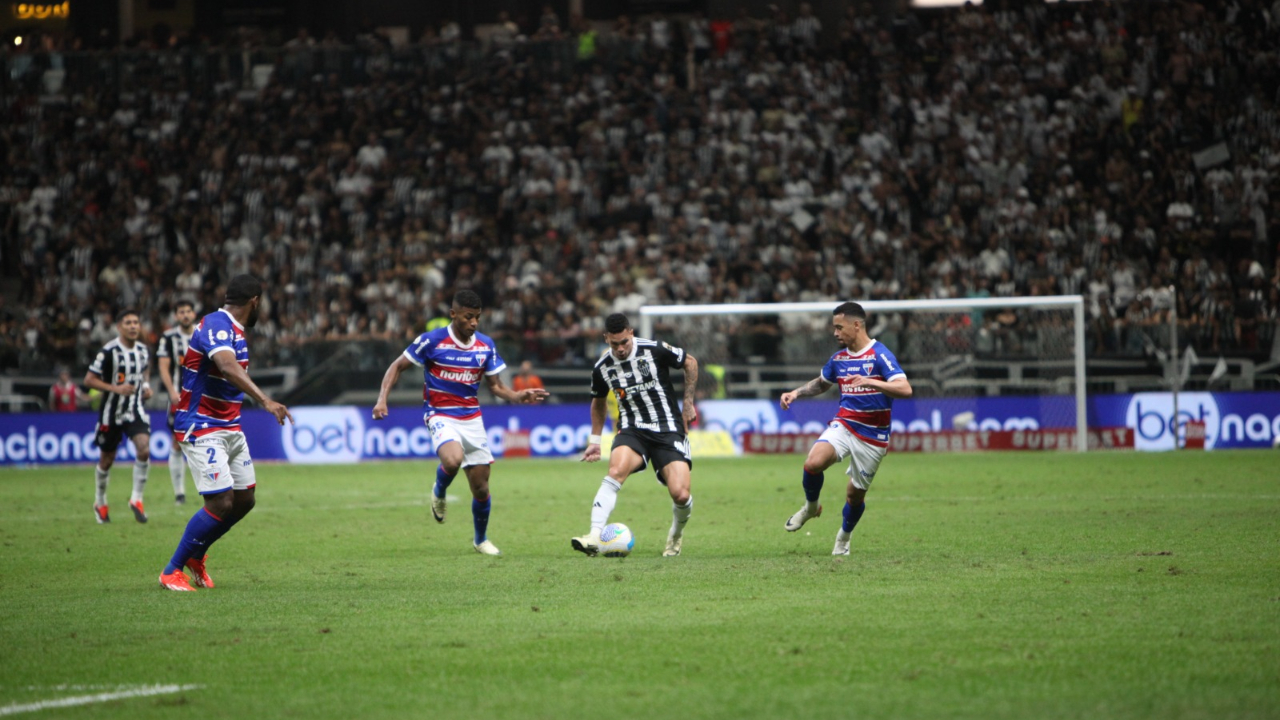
487	548
588	544
797	521
842	542
438	507
673	546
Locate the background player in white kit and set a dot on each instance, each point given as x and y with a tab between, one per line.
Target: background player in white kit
869	378
121	370
169	355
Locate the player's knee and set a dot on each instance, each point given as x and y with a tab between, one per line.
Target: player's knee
813	466
219	505
680	497
855	495
144	454
245	504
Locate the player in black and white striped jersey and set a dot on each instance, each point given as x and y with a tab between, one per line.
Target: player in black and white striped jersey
121	371
652	427
173	347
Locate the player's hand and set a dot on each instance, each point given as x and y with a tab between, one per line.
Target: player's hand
787	399
174	398
127	389
146	392
690	416
592	454
532	395
280	411
380	410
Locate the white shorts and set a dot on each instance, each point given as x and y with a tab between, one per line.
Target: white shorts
220	461
471	433
864	458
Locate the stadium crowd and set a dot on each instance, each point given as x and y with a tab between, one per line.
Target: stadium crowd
1111	150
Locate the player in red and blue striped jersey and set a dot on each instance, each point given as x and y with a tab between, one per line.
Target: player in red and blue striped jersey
453	359
206	428
870	379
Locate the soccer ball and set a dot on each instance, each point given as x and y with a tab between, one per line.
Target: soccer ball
616	540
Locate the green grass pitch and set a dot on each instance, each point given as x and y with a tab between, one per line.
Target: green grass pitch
1106	585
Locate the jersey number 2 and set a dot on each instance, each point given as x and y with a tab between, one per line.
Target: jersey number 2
212	455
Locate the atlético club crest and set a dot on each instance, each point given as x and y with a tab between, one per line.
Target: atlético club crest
643	365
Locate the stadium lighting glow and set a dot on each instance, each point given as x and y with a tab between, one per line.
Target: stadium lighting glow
17	40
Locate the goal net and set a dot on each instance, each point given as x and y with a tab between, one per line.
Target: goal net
966	358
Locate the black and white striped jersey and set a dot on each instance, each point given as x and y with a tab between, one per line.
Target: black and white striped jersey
119	365
173	345
642	383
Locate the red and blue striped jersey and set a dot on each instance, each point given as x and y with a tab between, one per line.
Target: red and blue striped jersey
452	370
209	402
865	411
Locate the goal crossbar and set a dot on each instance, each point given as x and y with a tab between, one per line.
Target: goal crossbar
1073	302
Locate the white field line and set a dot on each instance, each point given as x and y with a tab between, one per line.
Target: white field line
135	692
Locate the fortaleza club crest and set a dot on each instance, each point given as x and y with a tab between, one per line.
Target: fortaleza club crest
643	365
866	367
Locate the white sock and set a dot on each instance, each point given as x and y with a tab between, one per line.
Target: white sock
606	498
811	506
177	471
140	468
679	516
100	478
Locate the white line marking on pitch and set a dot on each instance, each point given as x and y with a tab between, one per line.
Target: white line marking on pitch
139	691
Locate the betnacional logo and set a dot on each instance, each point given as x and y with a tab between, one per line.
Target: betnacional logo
1152	418
324	435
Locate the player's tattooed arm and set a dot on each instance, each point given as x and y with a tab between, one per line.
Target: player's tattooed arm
690	412
813	388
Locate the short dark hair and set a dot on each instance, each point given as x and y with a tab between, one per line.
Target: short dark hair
851	310
616	323
467	299
242	289
126	312
184	303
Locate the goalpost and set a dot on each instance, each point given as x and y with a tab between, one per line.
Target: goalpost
953	350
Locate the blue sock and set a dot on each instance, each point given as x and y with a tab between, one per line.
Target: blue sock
443	480
852	515
480	515
222	529
812	486
202	529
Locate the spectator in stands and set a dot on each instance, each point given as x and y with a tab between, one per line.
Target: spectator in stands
526	378
65	395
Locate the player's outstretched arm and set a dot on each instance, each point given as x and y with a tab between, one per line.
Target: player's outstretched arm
389	380
236	375
690	410
524	397
599	406
813	388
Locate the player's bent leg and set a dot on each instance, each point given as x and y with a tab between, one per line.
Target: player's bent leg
141	465
481	504
821	456
451	456
677	476
623	461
